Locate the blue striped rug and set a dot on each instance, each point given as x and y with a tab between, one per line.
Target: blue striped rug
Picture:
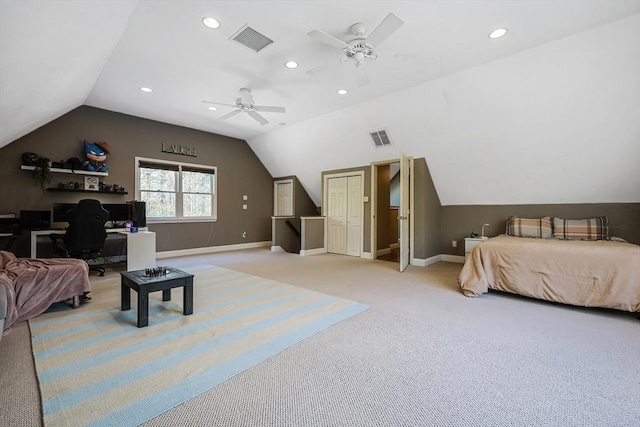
95	367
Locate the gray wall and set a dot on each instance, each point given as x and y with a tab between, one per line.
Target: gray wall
459	221
303	205
313	234
427	212
240	173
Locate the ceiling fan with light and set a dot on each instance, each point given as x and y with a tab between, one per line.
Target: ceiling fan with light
244	104
361	48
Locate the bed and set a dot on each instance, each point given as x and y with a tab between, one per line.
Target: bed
581	272
31	285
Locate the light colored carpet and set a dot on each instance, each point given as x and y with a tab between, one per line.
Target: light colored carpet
95	367
423	354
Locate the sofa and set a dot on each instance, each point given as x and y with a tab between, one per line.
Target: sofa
28	286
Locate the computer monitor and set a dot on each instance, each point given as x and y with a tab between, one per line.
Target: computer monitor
35	220
60	211
117	211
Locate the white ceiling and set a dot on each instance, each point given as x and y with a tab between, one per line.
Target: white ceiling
57	55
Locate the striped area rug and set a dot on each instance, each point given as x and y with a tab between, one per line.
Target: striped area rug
95	367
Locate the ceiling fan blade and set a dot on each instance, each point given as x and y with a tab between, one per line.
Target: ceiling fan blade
219	103
231	114
258	118
328	39
268	109
362	78
388	25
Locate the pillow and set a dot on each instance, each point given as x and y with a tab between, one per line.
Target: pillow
530	227
581	229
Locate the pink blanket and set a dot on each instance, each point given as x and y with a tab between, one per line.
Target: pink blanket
34	284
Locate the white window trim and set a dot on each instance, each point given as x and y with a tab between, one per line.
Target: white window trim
214	209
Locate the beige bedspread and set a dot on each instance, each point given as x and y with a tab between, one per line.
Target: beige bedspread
584	273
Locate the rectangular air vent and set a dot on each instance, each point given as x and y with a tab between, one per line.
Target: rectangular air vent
380	138
251	38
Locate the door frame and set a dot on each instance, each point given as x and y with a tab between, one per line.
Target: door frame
325	186
374	205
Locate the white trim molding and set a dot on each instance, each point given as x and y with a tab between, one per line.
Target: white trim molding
317	251
426	262
211	249
453	258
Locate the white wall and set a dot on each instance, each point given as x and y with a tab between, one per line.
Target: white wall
559	123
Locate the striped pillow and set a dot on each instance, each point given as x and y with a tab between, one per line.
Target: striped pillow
530	227
581	229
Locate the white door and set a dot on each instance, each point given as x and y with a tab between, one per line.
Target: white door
404	211
344	215
283	195
354	212
337	215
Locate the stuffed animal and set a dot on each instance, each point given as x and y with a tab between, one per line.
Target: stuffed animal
96	155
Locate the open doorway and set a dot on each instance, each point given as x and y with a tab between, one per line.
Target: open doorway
388	203
391	227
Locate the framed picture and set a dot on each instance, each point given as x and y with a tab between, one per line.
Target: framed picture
91	183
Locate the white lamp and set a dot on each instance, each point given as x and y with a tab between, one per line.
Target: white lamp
483	229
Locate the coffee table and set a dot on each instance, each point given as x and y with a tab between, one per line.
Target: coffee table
144	285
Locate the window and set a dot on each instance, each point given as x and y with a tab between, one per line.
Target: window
176	191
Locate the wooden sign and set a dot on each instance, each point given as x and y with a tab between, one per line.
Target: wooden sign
179	149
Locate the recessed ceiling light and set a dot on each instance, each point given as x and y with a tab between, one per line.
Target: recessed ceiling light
146	89
210	22
496	34
342	91
213	108
291	64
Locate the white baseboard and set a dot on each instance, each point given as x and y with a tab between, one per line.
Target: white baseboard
211	249
317	251
453	258
425	262
277	249
366	255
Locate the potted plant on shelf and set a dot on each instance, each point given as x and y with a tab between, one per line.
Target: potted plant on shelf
42	172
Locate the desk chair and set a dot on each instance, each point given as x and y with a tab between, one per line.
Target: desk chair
9	230
85	235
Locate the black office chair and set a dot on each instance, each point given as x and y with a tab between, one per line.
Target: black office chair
85	235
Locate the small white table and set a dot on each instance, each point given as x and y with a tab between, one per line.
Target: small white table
141	250
472	242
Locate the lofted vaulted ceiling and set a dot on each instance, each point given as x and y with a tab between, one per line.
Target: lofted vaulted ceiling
550	113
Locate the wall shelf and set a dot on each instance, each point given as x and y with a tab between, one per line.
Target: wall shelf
86	191
68	171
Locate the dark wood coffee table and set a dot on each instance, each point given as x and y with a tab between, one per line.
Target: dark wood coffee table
144	285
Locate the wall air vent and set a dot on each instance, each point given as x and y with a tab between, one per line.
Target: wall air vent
251	38
380	138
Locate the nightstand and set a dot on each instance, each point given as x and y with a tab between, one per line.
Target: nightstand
470	243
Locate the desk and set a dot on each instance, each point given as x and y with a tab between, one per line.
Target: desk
141	250
36	233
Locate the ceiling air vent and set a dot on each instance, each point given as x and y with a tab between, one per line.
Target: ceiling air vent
380	138
251	38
